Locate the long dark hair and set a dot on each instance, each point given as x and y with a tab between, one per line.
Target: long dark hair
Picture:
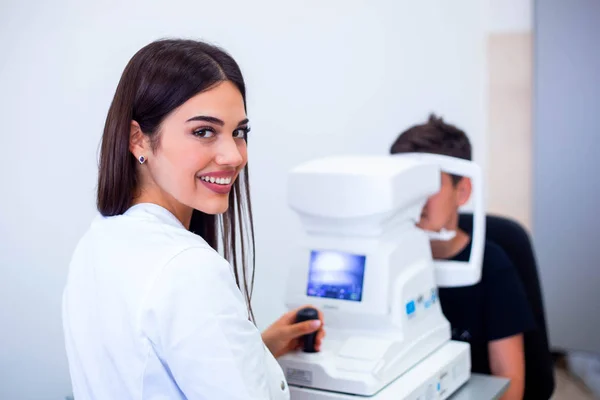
159	78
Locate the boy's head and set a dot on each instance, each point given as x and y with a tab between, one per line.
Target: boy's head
437	137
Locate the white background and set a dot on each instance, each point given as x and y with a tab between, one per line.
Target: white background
323	78
509	16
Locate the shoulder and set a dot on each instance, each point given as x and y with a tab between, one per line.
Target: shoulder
134	252
505	300
498	273
197	262
201	274
159	237
196	283
495	260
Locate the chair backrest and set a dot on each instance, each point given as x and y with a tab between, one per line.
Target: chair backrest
514	240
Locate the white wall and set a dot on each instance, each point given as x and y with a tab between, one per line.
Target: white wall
509	16
323	77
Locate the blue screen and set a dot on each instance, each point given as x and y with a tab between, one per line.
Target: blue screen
336	275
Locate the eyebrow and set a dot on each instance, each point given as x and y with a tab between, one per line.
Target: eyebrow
214	120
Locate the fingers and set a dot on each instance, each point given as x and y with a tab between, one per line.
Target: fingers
319	339
295	330
291	315
302	328
321	316
320	335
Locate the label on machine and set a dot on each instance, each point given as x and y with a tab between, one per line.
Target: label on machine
298	376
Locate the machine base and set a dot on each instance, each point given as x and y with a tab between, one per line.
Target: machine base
436	377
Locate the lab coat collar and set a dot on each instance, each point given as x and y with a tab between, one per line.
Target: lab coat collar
154	211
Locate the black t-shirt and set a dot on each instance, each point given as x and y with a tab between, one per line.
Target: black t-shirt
494	308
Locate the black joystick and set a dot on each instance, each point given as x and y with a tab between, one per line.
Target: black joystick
308	341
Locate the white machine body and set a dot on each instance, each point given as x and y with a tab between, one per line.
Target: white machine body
367	266
437	377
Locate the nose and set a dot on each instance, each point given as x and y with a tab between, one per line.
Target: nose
228	153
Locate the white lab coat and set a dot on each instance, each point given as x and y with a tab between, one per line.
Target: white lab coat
151	311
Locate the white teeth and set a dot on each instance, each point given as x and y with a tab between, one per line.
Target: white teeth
219	181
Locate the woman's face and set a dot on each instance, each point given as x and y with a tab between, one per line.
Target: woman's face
201	151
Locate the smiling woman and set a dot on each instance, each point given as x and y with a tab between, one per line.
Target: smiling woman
191	146
166	111
151	309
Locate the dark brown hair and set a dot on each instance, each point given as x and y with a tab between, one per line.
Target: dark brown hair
436	137
159	78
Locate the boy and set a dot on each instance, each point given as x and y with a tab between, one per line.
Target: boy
493	314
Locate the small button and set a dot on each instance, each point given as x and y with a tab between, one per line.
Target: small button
410	307
282	385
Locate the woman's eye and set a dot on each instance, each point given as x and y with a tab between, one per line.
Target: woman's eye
204	133
241	133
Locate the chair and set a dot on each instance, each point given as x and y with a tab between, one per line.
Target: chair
514	240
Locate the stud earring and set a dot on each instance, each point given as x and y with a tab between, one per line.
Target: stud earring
142	159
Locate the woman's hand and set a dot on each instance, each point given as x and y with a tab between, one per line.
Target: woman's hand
284	334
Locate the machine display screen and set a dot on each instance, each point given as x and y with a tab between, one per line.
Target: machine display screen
336	275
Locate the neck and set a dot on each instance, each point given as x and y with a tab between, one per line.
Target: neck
443	250
181	212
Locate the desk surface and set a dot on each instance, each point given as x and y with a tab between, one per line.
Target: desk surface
481	387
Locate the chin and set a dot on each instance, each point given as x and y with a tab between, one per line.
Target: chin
429	227
422	225
214	207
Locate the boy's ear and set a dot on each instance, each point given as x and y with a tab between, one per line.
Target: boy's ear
138	145
464	189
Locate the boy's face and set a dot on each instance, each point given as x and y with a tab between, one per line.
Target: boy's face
441	209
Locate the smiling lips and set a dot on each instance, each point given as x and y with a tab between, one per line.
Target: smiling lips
219	182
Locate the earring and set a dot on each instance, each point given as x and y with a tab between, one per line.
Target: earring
142	159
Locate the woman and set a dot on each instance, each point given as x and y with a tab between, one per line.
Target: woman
150	309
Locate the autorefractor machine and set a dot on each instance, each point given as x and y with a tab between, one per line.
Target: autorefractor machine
367	266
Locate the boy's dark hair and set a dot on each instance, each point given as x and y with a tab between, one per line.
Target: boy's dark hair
436	137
